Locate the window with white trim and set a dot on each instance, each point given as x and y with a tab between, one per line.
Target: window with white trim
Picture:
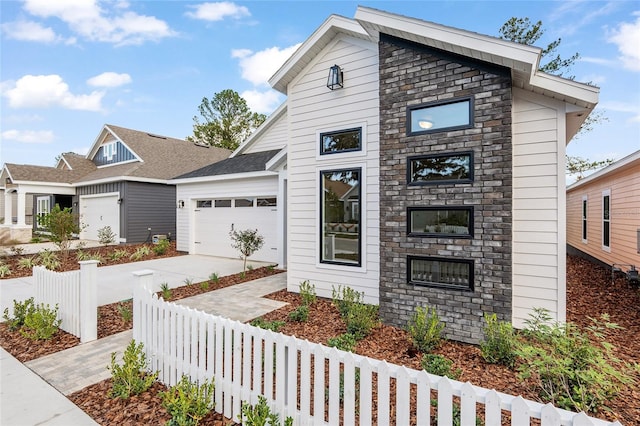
606	220
109	150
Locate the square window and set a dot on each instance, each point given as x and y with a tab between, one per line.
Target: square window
341	141
267	202
437	272
440	222
203	203
243	202
340	217
440	116
222	203
441	168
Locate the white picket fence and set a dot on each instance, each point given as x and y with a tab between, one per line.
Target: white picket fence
303	380
75	293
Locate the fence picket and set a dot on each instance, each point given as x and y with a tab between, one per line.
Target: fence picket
349	389
383	393
366	392
468	401
246	361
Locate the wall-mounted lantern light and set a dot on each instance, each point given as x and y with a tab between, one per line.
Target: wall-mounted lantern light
181	204
120	200
335	78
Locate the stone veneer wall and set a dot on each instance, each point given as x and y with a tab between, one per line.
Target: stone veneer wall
412	74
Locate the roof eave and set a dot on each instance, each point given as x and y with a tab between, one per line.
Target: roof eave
623	162
232	176
307	51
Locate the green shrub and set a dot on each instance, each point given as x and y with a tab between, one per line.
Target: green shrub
27	262
425	329
5	270
16	250
188	402
166	291
41	323
345	342
117	254
361	319
261	414
307	293
20	312
249	267
573	369
106	235
439	365
204	285
140	253
214	277
274	326
344	297
300	314
125	311
48	259
500	343
161	247
130	378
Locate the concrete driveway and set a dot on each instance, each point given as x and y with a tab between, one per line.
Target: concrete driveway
115	283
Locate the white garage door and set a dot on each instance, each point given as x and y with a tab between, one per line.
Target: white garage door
98	212
214	218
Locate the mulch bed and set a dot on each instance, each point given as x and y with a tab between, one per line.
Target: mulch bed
70	262
590	292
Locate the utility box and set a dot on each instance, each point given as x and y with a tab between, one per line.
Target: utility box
155	239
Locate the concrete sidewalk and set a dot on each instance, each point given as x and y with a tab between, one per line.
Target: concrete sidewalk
27	400
33	393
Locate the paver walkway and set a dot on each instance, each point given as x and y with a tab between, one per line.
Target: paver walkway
76	368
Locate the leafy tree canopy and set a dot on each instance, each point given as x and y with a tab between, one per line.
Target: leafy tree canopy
225	120
578	165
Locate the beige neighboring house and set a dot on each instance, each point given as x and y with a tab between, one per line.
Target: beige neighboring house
124	182
603	214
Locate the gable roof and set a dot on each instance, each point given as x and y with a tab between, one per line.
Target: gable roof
71	166
631	160
244	163
159	157
254	137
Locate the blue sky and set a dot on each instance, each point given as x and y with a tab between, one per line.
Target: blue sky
67	67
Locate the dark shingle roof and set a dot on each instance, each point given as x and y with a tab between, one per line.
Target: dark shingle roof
244	163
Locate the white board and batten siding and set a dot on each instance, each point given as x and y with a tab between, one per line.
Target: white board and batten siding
264	186
312	109
539	270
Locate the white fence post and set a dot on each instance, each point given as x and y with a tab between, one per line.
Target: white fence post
88	300
143	283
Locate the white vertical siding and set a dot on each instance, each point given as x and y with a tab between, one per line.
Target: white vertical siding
312	107
189	192
538	206
273	138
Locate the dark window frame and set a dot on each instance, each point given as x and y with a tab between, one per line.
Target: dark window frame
470	287
606	220
321	216
337	132
585	209
468	209
469	179
434	104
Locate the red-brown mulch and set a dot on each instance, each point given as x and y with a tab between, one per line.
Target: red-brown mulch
70	262
590	292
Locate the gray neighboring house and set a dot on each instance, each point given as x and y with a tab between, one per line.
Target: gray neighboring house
123	182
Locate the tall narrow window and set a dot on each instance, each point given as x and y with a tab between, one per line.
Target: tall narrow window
340	217
606	220
584	219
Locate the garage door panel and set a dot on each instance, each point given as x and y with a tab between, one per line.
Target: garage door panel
98	212
212	226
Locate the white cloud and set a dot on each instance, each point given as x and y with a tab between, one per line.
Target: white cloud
598	61
218	11
29	136
262	102
596	79
109	79
627	107
258	67
29	31
627	38
89	20
43	91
